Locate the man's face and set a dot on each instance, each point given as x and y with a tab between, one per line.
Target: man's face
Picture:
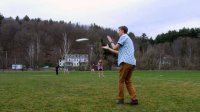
120	32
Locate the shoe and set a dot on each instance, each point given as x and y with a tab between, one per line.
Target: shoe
133	102
121	101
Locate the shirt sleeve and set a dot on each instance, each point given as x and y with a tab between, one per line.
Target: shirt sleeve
122	40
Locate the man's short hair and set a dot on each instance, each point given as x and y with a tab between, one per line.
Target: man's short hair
124	28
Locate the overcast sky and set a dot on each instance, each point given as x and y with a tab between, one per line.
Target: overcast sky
141	16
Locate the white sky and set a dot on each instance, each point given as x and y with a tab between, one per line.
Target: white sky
141	16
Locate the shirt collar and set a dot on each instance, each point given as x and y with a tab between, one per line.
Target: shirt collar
124	35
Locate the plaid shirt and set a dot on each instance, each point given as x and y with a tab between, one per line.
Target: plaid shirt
126	50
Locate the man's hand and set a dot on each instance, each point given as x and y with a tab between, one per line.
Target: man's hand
109	38
105	47
108	48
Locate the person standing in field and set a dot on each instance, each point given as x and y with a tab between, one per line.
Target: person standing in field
93	67
126	60
57	68
100	68
65	68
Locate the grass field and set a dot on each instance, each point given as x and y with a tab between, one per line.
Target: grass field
158	91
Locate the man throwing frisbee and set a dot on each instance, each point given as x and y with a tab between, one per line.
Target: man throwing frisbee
126	60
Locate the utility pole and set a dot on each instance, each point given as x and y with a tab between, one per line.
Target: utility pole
6	59
91	51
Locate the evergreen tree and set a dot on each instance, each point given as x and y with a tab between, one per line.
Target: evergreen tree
26	18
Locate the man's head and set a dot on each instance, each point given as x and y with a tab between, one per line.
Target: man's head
122	30
100	61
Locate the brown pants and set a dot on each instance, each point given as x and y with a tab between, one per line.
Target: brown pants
125	74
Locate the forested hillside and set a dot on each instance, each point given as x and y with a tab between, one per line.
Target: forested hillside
36	43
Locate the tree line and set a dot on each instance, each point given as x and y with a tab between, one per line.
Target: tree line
37	43
170	36
171	50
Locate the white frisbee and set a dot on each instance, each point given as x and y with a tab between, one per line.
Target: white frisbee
81	39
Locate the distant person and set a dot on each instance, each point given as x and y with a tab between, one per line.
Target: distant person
126	60
100	68
57	68
93	67
66	68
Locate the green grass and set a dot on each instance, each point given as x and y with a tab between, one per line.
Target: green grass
157	91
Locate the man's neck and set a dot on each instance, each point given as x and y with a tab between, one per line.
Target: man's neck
122	34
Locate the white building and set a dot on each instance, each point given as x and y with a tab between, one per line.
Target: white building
74	60
17	66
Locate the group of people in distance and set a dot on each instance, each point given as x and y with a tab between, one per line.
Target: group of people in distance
98	67
65	68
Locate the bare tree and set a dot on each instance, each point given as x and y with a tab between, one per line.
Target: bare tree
161	53
31	53
37	47
66	45
176	48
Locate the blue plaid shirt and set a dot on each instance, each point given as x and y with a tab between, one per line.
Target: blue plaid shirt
126	50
